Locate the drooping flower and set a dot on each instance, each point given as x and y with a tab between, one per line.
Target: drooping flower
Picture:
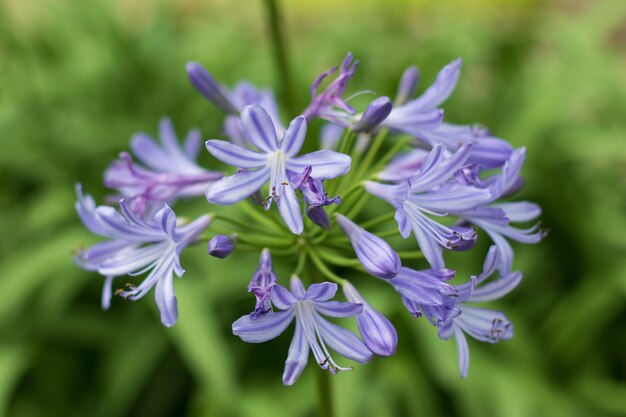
376	330
323	105
275	161
431	192
482	324
376	256
312	331
495	219
221	246
315	196
168	171
261	285
424	288
136	246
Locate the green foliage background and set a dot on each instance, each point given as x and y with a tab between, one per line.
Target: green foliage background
78	77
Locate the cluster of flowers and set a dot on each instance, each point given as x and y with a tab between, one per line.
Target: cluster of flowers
431	170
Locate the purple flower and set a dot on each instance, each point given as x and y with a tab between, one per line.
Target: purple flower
424	288
407	85
276	161
233	101
376	256
136	246
374	115
261	285
431	192
377	331
496	219
422	114
482	324
168	171
221	246
312	331
323	105
315	196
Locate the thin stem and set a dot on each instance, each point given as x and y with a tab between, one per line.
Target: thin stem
276	27
321	266
326	394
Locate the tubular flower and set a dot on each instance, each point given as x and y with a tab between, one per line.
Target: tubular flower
276	161
312	332
261	285
136	246
168	171
431	192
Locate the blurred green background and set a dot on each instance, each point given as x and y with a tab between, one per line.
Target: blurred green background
78	77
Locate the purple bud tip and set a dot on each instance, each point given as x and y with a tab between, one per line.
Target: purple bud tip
378	333
376	256
407	85
206	85
376	112
221	246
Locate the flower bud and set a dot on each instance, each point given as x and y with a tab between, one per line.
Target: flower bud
374	114
376	256
261	285
407	85
209	88
377	331
221	246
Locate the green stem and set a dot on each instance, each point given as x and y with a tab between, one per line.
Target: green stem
321	266
276	28
371	153
325	394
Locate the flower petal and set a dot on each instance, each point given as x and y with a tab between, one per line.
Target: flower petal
289	209
297	357
321	292
294	136
258	128
462	351
343	341
282	298
264	328
326	164
496	289
338	308
166	300
232	189
235	155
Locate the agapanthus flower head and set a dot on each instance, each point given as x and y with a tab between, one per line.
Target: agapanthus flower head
376	330
312	333
275	161
168	170
261	285
221	246
137	246
377	256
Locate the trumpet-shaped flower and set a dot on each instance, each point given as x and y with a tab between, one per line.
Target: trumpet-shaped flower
136	246
495	219
168	171
312	332
482	324
275	161
431	192
261	285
